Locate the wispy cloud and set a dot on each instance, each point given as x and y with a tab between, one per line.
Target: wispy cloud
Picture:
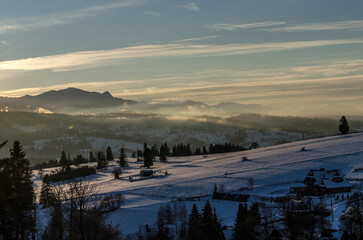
87	59
196	39
341	25
4	42
314	82
190	6
28	24
233	26
154	14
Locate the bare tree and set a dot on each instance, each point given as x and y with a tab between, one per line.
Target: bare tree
79	213
352	219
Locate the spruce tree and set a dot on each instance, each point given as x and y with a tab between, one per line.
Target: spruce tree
47	197
167	151
169	216
148	158
239	230
162	154
215	189
188	150
155	151
16	208
194	225
91	157
343	125
161	215
102	162
63	162
122	158
175	151
252	222
205	150
210	224
109	154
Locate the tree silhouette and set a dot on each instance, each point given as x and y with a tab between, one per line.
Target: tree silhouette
343	125
16	196
122	158
109	154
194	224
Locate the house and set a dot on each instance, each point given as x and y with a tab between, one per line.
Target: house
321	181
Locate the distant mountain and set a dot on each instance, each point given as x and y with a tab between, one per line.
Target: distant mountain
77	101
197	108
74	98
238	108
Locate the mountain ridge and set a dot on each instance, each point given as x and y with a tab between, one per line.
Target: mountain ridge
75	100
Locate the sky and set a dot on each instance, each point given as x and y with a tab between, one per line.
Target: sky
295	57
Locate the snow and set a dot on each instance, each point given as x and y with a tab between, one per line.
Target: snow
275	169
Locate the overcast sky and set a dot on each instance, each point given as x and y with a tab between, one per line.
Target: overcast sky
292	56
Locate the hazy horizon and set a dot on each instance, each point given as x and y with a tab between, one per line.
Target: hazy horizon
292	57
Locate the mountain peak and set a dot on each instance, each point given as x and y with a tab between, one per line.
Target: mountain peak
75	98
107	94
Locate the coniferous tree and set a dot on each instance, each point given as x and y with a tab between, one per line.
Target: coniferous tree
47	197
163	233
215	189
253	220
91	157
109	154
343	125
161	215
167	150
140	154
16	196
155	151
102	162
198	151
63	162
239	229
162	154
205	150
123	162
175	153
148	158
169	218
183	218
188	150
194	225
210	224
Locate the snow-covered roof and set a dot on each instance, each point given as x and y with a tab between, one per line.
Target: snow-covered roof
328	178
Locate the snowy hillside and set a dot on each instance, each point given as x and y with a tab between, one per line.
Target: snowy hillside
274	169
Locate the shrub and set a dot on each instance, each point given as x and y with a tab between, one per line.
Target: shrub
70	173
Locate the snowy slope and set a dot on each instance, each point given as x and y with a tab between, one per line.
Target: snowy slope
196	175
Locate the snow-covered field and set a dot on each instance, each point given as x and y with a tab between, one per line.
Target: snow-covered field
274	170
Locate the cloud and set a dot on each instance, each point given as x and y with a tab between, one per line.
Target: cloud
232	26
195	39
191	7
341	25
28	24
311	83
3	42
154	14
87	59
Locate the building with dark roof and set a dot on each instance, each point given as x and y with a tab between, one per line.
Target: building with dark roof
321	181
